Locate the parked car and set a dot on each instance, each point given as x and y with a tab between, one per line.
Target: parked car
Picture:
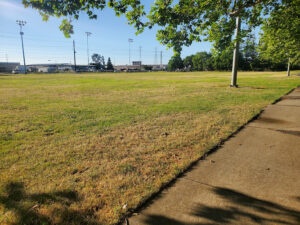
20	70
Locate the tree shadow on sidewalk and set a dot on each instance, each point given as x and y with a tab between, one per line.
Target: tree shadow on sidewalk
25	206
240	207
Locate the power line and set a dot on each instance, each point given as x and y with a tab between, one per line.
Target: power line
58	50
29	37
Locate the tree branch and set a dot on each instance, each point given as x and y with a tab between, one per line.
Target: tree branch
246	5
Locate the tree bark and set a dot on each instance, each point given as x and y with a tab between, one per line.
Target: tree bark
289	69
236	53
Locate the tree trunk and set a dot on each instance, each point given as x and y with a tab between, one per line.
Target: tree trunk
236	53
289	69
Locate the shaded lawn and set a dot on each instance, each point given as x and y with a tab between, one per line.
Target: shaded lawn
113	139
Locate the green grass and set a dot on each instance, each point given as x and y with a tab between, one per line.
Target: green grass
74	148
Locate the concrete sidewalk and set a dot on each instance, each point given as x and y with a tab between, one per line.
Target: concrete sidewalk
254	178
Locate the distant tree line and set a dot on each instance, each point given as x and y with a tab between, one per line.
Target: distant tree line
252	57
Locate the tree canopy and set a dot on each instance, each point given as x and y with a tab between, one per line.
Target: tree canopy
182	21
280	39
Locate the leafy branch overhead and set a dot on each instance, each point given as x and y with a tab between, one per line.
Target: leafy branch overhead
180	22
71	9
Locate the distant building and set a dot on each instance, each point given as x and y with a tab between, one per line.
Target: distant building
8	67
65	68
85	68
137	63
47	69
51	68
61	67
127	67
159	67
138	67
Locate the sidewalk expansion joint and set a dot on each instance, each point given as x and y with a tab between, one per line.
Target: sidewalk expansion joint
198	182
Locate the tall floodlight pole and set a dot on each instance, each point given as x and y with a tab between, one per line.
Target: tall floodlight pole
22	23
129	41
87	46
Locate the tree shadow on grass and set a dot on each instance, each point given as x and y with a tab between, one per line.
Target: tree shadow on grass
17	200
242	207
5	75
248	87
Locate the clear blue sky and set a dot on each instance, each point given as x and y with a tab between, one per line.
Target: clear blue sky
45	43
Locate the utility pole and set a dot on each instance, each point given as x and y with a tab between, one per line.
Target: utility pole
22	23
140	53
161	59
87	45
129	41
236	52
74	51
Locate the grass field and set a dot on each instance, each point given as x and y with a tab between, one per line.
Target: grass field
75	148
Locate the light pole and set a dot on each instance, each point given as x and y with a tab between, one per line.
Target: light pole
129	41
87	44
22	23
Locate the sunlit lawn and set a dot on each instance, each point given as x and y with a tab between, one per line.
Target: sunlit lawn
75	148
